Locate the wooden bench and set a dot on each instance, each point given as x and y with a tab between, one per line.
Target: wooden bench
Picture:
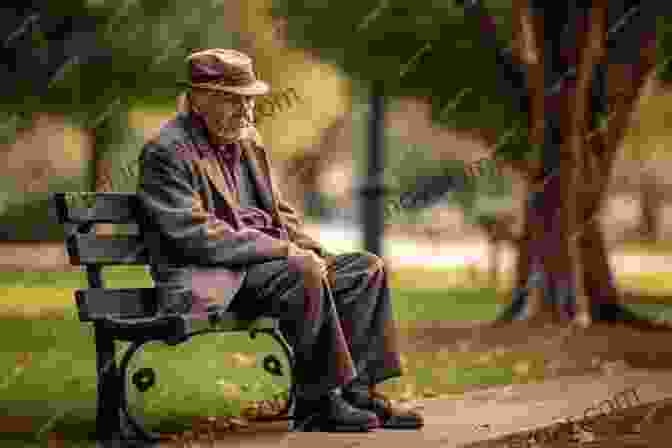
131	314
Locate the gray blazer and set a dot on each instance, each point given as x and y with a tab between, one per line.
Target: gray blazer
196	258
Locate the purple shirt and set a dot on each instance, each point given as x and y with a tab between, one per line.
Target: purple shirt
236	173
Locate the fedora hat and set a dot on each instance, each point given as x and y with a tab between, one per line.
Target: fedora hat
225	70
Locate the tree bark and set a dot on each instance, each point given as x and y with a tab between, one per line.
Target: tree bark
573	162
529	29
562	254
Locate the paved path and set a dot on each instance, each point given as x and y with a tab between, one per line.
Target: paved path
452	423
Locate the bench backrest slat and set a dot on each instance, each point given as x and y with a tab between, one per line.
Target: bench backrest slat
94	207
96	251
87	208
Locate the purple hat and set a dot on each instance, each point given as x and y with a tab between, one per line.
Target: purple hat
225	70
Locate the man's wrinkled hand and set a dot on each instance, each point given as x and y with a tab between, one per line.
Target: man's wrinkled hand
329	259
306	261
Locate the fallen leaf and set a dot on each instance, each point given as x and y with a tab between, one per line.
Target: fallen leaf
222	424
522	368
507	391
229	390
238	422
17	424
485	358
24	359
407	405
455	396
242	360
408	393
444	355
429	393
55	440
500	351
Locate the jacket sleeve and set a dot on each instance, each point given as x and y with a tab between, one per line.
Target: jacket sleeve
295	230
176	209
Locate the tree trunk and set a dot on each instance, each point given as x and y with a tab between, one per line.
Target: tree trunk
562	253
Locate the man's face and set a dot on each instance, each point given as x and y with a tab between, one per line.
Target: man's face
226	114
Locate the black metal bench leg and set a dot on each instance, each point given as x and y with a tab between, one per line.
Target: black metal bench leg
108	418
112	428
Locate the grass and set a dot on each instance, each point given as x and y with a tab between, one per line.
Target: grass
201	377
47	364
55	356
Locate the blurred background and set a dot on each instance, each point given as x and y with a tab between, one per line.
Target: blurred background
89	81
319	143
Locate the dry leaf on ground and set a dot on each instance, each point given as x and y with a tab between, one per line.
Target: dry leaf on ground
243	360
229	390
264	409
522	368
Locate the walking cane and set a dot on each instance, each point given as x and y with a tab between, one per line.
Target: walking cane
293	424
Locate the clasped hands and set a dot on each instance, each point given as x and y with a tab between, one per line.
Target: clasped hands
306	262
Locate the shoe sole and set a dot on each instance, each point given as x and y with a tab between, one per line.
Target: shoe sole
401	423
333	427
322	426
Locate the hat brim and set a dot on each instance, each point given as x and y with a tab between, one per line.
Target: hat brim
256	88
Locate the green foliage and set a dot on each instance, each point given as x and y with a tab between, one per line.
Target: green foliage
30	216
480	192
141	46
664	35
426	50
138	52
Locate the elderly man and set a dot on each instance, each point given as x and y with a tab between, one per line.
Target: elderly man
222	234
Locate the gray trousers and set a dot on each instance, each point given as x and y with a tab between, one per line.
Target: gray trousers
344	337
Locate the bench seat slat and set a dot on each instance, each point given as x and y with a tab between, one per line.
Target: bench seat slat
126	303
131	309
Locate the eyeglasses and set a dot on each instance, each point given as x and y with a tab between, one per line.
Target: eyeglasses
228	97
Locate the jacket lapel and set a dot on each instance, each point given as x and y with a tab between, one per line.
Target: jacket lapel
207	164
212	170
259	167
261	176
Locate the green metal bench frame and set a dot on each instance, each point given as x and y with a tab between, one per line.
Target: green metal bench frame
131	314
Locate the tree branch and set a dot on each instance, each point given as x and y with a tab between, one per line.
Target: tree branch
512	69
529	33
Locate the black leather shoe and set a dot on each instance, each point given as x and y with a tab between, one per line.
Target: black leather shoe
390	416
332	414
